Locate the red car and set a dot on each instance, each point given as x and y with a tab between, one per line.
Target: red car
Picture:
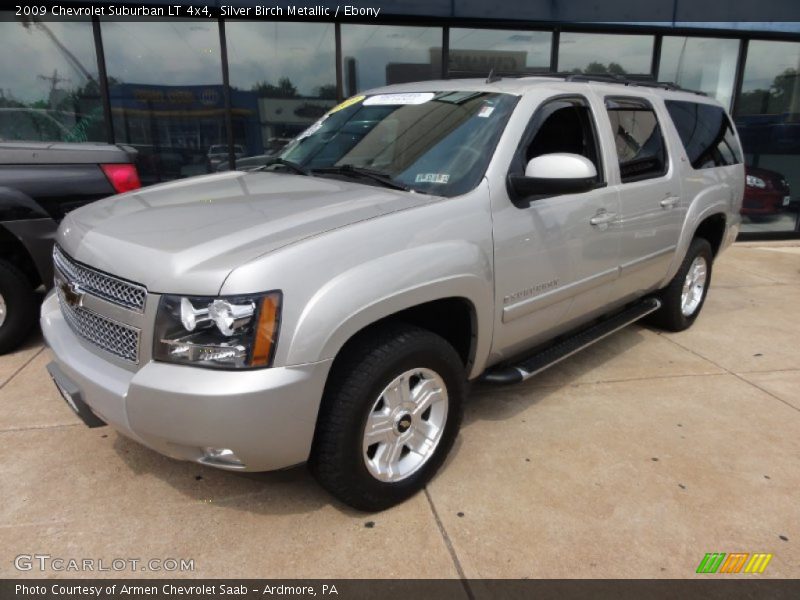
766	193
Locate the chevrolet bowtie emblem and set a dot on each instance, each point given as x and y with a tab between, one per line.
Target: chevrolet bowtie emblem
73	294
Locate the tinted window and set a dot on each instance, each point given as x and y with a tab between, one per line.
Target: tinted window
437	143
638	138
704	64
706	134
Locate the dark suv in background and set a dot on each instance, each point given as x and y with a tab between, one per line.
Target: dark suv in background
40	182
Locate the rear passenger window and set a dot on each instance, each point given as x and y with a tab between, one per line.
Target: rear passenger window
706	133
637	135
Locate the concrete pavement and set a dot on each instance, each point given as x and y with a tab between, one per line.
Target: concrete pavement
631	459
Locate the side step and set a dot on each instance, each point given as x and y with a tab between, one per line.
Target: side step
551	355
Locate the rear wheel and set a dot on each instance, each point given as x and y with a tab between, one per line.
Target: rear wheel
18	304
685	295
390	415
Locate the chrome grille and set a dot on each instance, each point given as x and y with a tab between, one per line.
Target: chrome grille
115	290
118	339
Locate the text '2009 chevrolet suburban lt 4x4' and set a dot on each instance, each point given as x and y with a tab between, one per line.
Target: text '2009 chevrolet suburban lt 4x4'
332	306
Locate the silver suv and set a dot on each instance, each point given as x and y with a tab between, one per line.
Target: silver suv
332	306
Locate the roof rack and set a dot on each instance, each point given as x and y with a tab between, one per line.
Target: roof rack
643	81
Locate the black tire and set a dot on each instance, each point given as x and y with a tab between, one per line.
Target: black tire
368	364
670	316
21	306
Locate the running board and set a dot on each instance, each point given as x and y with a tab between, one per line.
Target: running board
553	354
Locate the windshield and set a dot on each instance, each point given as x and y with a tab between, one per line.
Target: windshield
434	142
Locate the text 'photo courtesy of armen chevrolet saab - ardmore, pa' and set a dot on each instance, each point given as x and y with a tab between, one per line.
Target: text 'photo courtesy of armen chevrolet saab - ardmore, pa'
381	299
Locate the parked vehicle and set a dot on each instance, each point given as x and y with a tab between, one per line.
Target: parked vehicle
766	194
218	153
333	306
39	183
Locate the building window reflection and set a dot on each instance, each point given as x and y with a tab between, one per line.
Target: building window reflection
768	119
600	53
479	51
283	78
704	64
376	55
49	91
167	100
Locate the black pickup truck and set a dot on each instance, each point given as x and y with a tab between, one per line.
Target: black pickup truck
39	183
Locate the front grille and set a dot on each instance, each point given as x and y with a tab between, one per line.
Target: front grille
115	290
118	339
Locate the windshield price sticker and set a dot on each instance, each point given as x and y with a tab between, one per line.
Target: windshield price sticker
346	103
432	178
313	128
399	99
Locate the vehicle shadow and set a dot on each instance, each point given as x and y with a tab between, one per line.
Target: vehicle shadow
294	491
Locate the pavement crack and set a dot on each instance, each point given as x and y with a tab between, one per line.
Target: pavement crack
739	377
449	544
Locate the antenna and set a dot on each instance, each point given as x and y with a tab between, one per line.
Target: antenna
492	77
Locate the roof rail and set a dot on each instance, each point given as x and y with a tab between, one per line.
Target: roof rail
643	81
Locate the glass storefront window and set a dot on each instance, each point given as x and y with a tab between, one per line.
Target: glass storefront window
167	101
768	119
600	53
376	55
703	64
283	78
478	51
49	90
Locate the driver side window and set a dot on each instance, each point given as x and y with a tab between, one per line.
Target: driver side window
562	125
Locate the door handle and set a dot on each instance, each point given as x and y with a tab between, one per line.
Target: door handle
602	218
669	201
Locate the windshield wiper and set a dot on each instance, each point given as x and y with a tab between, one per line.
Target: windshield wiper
376	176
286	163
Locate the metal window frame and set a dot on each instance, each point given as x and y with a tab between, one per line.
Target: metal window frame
447	23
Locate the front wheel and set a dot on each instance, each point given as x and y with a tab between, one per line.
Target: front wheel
683	298
390	415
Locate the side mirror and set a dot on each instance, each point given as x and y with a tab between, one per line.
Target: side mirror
553	175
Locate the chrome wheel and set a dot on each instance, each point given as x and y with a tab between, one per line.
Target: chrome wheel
2	310
694	286
405	425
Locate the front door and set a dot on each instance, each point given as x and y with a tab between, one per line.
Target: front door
555	257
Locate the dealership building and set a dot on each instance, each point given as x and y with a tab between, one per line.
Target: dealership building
180	90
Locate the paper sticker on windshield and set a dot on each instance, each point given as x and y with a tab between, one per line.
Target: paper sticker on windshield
486	111
399	99
432	177
346	103
313	128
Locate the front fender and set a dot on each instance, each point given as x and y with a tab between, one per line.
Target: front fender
391	283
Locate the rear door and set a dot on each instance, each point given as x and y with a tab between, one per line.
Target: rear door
649	186
555	257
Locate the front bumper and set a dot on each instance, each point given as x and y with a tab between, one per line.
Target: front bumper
266	416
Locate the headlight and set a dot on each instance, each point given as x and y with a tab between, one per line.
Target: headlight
753	181
230	332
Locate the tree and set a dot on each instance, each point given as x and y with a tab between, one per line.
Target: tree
775	100
327	91
284	89
598	68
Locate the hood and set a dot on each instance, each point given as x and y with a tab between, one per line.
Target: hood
187	236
